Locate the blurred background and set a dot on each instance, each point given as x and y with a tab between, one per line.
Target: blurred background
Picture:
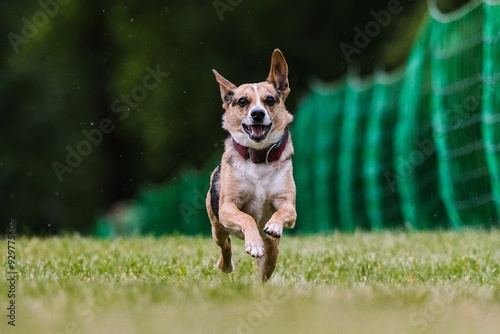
102	101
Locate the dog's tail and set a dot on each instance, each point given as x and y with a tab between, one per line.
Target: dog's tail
213	195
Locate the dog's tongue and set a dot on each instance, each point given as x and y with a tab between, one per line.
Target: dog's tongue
257	130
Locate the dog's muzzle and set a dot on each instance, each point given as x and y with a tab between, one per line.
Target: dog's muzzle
257	130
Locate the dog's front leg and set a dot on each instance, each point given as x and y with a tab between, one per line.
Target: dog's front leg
234	219
284	216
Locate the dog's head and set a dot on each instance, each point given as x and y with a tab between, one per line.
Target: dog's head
255	114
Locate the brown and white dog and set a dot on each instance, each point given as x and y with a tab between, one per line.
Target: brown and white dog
252	191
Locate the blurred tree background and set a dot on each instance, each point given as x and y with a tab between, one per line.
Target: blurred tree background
100	99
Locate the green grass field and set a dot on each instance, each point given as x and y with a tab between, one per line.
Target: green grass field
361	283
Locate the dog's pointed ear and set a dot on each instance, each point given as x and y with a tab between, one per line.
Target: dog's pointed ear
278	75
226	87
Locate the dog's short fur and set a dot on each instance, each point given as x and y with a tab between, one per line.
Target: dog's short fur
252	191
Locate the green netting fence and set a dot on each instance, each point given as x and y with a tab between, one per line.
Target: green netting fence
491	95
415	149
383	202
316	171
415	160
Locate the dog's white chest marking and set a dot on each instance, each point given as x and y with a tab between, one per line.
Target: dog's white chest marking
259	186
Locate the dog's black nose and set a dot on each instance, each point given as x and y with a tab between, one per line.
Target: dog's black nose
258	115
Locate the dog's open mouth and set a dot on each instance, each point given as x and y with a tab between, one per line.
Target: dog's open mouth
257	132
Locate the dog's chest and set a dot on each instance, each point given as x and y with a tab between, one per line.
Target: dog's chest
260	184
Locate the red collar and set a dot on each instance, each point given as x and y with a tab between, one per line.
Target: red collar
267	155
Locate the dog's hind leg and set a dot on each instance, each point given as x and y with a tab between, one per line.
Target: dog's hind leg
219	234
267	263
223	240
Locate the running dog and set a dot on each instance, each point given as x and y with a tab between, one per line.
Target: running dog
252	191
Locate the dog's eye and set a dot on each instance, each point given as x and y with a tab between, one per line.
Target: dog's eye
242	101
270	101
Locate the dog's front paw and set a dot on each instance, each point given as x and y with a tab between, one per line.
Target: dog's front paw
255	249
274	230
